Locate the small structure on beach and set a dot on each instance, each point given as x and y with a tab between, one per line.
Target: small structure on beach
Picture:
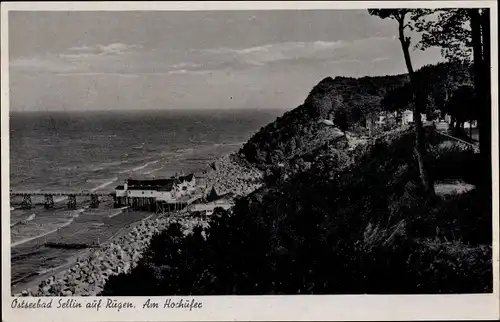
155	194
225	202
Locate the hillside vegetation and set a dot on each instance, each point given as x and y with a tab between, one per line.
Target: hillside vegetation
355	222
349	102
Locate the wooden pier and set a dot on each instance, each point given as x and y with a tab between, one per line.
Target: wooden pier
151	204
49	197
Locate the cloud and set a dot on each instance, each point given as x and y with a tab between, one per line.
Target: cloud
80	60
83	52
96	74
181	71
44	63
380	59
294	53
260	55
186	65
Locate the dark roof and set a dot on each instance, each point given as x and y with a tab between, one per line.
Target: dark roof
155	188
154	184
120	187
189	177
167	187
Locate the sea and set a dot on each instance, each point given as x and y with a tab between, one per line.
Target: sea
96	151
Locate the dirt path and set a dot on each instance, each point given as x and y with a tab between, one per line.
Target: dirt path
451	187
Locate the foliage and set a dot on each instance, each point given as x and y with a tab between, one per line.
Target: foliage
442	81
406	18
398	99
450	30
462	104
454	161
464	35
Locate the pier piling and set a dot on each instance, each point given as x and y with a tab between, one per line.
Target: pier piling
27	204
71	202
94	201
49	201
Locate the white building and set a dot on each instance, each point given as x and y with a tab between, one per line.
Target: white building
157	190
381	120
209	207
187	184
468	125
407	117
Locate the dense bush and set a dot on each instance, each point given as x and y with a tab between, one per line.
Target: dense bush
454	161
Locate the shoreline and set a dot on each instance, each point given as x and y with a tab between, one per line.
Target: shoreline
69	222
86	273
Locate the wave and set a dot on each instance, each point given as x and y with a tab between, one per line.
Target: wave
105	136
24	221
16	223
104	185
69	261
187	150
75	215
236	143
197	142
151	171
30	218
59	199
139	167
23	241
51	269
145	165
93	180
116	213
106	165
69	168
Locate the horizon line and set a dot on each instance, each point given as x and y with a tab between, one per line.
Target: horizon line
151	110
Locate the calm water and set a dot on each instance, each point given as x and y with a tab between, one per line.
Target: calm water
52	151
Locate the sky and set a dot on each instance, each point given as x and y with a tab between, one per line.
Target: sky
193	59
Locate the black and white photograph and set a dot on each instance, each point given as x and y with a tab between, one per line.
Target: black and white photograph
193	153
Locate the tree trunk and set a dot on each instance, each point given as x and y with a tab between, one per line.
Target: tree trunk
482	91
420	149
485	144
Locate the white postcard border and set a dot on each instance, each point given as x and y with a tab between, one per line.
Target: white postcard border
262	308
